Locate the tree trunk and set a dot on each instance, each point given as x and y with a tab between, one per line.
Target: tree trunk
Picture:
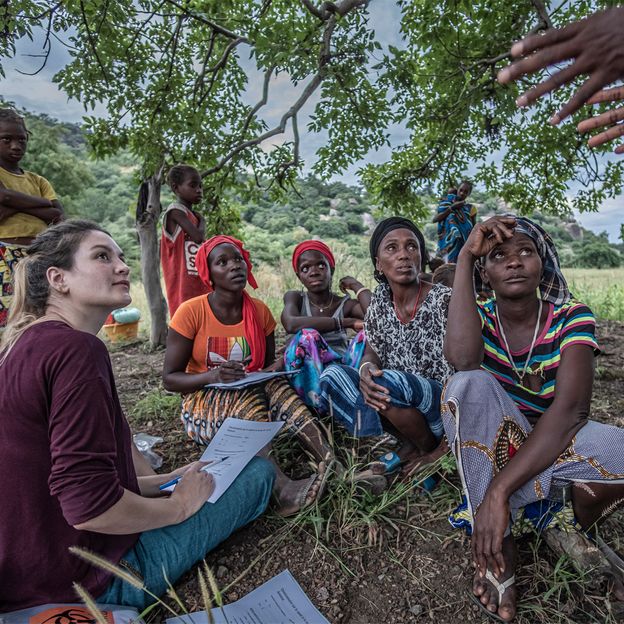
148	212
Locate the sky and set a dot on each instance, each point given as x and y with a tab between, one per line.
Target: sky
39	94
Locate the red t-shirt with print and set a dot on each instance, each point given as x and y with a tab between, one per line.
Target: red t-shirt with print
177	257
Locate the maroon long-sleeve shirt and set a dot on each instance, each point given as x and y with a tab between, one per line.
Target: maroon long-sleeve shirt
65	458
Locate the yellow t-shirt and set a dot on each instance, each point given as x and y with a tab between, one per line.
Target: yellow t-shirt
21	224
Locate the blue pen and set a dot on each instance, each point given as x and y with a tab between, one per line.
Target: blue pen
164	486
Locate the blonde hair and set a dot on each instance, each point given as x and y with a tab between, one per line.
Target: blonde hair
54	247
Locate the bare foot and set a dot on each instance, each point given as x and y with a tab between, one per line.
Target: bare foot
417	460
294	496
488	594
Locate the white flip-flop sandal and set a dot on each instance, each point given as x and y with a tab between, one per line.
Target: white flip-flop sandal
501	588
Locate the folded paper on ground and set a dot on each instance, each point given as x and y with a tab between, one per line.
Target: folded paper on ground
279	601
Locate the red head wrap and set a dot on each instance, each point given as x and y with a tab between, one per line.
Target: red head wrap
312	245
254	333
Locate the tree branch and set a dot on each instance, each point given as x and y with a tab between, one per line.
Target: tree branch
221	63
542	12
333	11
262	102
92	42
216	27
317	79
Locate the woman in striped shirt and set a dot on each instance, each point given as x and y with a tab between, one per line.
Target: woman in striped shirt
517	415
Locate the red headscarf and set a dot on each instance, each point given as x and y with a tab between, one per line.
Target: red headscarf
312	245
254	333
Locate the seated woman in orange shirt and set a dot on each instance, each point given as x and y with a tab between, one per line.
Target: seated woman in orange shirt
218	338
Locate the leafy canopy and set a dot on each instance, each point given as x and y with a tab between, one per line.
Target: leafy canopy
176	78
459	119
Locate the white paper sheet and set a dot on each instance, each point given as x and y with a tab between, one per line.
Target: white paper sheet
240	441
252	379
279	601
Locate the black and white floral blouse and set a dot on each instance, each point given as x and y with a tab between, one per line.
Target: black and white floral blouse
417	346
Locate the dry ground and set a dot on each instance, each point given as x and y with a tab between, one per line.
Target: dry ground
390	559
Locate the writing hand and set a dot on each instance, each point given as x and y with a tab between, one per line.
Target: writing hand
229	371
194	490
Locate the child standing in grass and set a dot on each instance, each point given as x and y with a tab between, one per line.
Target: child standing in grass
183	231
28	203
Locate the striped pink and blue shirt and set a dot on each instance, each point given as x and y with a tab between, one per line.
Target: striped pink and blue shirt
572	323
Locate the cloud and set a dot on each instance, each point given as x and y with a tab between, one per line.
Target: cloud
609	219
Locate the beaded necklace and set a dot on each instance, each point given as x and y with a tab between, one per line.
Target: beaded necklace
396	310
520	374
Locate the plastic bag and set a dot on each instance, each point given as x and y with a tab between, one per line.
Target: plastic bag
145	442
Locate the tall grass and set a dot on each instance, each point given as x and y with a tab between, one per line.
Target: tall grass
601	289
273	282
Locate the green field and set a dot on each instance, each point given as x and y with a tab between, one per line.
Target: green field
601	289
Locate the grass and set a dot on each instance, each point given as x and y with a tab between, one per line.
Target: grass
601	289
349	519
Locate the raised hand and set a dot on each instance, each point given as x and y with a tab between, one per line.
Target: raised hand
349	283
375	396
486	235
595	44
610	118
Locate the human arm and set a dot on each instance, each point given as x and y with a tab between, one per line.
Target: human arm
11	202
375	396
595	43
463	342
177	355
177	218
141	465
134	513
293	320
269	357
551	435
444	213
358	307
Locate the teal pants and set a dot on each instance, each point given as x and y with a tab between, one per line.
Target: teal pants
166	554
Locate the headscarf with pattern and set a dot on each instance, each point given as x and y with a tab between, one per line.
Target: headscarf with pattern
553	286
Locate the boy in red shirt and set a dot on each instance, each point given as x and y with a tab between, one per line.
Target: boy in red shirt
183	230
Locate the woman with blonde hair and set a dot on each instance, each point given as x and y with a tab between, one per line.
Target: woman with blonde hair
71	474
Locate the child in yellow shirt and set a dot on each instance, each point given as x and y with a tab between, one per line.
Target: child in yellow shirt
28	203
